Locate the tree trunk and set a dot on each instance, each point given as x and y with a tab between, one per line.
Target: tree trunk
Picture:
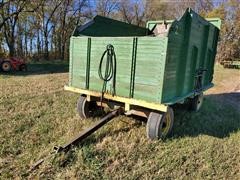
63	33
63	51
20	46
26	41
10	39
31	45
42	45
11	49
59	45
38	44
46	52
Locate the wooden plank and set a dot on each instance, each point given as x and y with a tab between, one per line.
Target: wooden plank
130	101
150	61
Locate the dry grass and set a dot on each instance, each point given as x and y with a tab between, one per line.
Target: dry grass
36	114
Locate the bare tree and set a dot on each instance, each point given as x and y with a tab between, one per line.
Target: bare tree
68	15
6	15
106	7
46	13
10	14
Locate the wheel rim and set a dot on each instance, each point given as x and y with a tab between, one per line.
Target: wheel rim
166	124
85	108
88	108
159	124
6	66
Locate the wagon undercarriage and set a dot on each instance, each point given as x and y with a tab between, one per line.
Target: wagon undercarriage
160	117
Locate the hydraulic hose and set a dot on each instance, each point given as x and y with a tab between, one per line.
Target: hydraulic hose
110	69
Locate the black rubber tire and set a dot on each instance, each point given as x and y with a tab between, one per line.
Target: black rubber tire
196	102
159	125
85	108
6	66
23	67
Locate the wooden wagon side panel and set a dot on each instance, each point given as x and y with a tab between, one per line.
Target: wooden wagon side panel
123	50
140	65
191	50
78	62
150	64
172	63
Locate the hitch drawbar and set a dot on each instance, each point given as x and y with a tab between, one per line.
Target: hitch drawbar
87	132
81	136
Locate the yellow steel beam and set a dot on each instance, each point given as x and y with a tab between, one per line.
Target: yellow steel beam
128	101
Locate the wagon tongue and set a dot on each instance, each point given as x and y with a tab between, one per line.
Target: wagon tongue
81	136
88	131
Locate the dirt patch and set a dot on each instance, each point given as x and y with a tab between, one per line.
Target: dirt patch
227	87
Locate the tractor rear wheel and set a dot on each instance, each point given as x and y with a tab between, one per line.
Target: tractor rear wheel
23	67
159	125
6	66
86	109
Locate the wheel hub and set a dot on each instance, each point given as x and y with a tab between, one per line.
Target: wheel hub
6	66
166	123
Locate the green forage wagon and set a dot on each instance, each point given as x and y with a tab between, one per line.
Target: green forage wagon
143	70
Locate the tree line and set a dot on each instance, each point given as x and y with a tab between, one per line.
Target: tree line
40	29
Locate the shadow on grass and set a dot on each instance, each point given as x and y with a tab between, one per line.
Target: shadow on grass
218	117
37	68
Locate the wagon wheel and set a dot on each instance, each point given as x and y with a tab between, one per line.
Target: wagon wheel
86	109
196	102
159	125
23	67
6	66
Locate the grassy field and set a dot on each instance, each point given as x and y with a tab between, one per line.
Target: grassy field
36	114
